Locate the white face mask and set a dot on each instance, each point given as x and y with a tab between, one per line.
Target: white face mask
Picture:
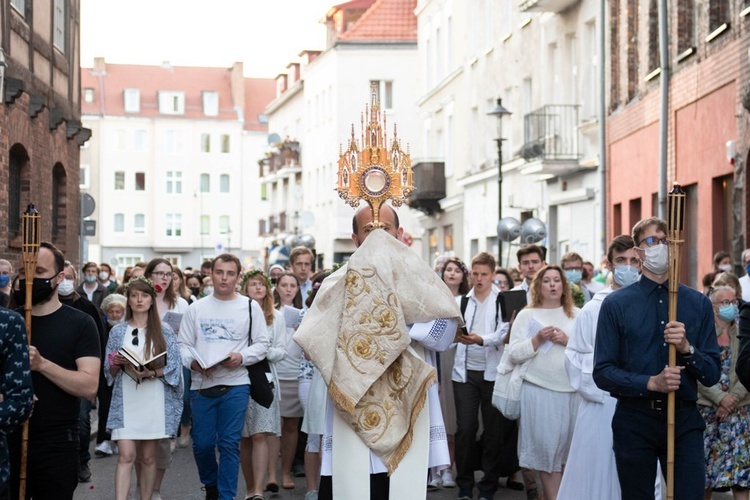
208	290
103	275
657	259
65	288
727	268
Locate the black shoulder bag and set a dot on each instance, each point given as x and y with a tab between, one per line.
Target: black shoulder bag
261	379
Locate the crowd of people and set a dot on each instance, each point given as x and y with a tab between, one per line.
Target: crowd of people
164	354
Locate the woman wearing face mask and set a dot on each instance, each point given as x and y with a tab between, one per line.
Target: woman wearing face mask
724	407
6	271
207	286
106	278
722	262
147	411
193	283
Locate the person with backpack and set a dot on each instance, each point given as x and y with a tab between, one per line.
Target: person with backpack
478	353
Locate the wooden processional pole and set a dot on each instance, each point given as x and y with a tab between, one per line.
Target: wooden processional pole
31	233
675	239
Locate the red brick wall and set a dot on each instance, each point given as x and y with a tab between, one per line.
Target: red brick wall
704	112
45	148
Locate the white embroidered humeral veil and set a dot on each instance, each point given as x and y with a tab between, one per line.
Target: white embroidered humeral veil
356	334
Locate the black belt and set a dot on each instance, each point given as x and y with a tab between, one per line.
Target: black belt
656	404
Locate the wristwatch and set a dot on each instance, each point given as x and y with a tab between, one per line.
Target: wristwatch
691	351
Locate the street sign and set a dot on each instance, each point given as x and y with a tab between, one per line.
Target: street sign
89	228
88	205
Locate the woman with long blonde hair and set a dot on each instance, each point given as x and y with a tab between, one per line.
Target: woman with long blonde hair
548	402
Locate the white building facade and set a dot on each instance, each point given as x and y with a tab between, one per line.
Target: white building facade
540	58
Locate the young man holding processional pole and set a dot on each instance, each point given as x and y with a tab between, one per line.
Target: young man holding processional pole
634	338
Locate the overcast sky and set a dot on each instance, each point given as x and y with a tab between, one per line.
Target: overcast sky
264	34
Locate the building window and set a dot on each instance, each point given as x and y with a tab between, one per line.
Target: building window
205	225
83	176
59	26
140	140
119	223
205	183
139	224
206	143
211	103
448	238
224	183
718	14
132	100
614	53
224	143
223	224
632	54
174	224
174	182
20	6
172	103
119	181
432	243
384	93
59	201
140	181
654	56
126	260
685	25
88	94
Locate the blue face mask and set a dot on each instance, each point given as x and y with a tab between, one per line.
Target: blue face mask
573	275
747	269
4	280
625	275
728	312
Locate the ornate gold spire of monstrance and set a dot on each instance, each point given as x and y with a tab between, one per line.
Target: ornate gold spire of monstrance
375	173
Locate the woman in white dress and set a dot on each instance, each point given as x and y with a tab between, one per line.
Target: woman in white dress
161	272
261	422
548	401
146	403
287	293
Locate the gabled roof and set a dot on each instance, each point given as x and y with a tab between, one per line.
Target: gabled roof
109	89
385	20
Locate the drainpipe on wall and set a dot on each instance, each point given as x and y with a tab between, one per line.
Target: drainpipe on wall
664	97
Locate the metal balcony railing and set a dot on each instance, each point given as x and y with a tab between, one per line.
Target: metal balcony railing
551	133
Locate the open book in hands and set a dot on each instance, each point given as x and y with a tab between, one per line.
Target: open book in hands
209	361
136	363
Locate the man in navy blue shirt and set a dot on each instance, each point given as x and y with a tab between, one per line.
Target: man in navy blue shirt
630	361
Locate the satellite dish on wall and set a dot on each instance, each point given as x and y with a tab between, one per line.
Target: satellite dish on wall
273	139
533	231
508	229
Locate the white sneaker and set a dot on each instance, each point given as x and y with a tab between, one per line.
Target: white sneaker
447	477
434	480
115	448
103	449
156	495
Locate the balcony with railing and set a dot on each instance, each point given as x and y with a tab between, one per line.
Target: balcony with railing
554	6
550	140
284	158
429	179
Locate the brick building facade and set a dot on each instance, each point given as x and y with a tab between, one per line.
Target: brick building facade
708	41
40	128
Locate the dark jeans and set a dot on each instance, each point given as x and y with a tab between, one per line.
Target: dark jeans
379	487
84	427
105	399
470	397
187	416
51	470
640	438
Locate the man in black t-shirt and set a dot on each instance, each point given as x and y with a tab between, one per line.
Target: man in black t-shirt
65	360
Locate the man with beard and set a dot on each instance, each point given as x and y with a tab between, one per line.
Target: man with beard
64	359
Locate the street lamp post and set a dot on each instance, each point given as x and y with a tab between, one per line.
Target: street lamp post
499	112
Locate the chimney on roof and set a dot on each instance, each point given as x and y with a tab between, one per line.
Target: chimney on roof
100	67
